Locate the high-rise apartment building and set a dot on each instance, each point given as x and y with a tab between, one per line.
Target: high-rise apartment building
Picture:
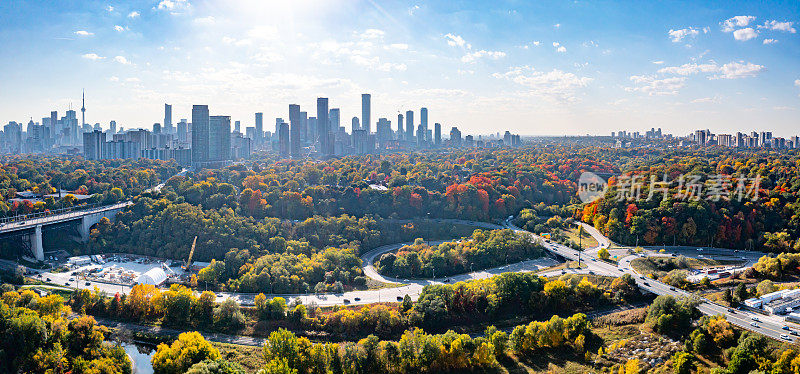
410	126
423	120
323	129
200	134
295	121
437	134
366	112
219	143
259	139
167	119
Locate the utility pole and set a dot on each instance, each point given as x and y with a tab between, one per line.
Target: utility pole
580	244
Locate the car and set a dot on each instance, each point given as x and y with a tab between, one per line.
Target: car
48	279
754	324
785	337
357	299
446	280
399	298
72	279
672	288
646	284
66	283
755	318
563	271
591	272
794	333
785	328
88	283
38	275
731	310
21	223
346	301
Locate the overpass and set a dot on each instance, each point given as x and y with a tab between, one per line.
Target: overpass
31	225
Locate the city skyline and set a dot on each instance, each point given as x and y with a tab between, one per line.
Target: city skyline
532	68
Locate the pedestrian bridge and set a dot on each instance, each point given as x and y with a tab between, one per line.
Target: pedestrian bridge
32	225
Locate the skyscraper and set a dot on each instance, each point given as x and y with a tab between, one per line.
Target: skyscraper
283	139
259	130
355	125
303	127
410	126
333	120
183	130
219	141
437	134
294	137
423	118
93	145
323	126
400	130
112	127
167	119
366	108
200	133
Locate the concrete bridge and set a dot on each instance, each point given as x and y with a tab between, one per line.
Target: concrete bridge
32	225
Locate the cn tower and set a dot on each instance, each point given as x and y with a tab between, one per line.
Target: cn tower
83	108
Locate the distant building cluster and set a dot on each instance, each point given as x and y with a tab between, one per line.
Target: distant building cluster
763	139
325	136
210	140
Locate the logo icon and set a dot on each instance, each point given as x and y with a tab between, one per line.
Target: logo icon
591	187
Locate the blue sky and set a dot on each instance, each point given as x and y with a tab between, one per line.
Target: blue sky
543	68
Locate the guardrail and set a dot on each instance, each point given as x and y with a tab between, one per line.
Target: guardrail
79	209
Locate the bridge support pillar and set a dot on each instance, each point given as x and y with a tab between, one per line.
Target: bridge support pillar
36	244
86	224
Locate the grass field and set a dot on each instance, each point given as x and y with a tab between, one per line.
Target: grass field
588	240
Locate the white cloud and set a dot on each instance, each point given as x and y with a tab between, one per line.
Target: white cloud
731	24
465	72
561	49
536	43
113	78
372	34
557	25
653	86
680	34
412	10
205	21
83	33
556	85
119	28
473	56
172	5
375	63
745	34
659	62
122	60
133	14
401	46
110	8
731	70
455	40
770	41
689	69
778	26
707	100
797	82
263	32
133	79
92	56
736	70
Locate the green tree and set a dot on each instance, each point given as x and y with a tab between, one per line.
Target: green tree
189	349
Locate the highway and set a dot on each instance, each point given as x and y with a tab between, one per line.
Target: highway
771	326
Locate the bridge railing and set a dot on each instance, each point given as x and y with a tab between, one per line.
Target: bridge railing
48	213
